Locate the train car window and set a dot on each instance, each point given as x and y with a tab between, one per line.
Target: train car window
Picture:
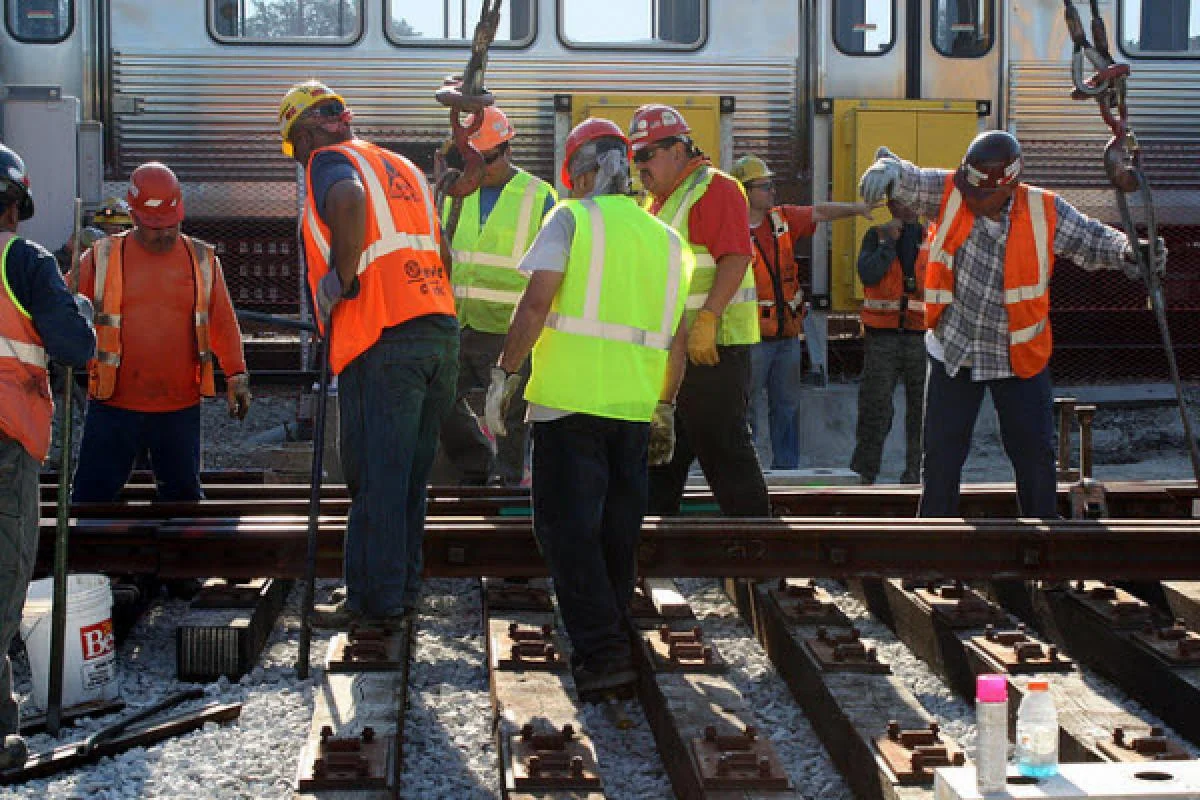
39	21
452	22
285	21
622	24
1159	28
963	28
864	27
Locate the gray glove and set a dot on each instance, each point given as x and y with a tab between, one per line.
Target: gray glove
1158	257
877	182
84	306
499	394
662	435
329	294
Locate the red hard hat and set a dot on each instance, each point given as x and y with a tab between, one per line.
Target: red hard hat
654	122
155	198
992	161
589	130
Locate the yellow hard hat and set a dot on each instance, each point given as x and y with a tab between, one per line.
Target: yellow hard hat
298	100
750	168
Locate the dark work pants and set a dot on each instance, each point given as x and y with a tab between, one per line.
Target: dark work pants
589	497
112	439
889	358
471	452
392	399
1025	410
710	424
18	549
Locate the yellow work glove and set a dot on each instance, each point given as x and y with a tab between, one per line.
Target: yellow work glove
499	394
702	339
662	435
237	395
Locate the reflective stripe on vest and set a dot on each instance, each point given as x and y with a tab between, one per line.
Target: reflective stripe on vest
486	282
603	350
107	259
400	270
739	322
25	405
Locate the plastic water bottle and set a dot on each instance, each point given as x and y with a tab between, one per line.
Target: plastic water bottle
1037	732
991	716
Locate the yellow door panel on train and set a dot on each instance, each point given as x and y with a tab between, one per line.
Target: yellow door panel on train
931	133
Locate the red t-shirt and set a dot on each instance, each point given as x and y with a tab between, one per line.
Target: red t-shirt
159	362
719	220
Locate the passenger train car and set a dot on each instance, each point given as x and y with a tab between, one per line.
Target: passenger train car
92	88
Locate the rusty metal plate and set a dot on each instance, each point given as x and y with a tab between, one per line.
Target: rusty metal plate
1018	653
1141	746
1088	500
350	762
1114	605
804	602
738	761
504	595
1175	645
552	760
526	647
368	650
913	755
958	606
840	650
641	607
682	650
220	593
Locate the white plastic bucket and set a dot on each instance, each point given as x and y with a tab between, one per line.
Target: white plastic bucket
90	652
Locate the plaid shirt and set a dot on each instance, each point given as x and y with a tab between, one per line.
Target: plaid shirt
973	330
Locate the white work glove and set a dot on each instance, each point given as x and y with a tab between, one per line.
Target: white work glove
500	393
84	306
877	182
662	435
1158	258
329	294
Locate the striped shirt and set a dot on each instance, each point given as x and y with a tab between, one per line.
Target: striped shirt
973	330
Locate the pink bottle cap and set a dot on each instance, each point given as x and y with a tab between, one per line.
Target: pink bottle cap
991	688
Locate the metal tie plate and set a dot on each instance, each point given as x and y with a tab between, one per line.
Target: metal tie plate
1152	746
551	760
959	606
1018	653
739	761
522	648
348	762
1175	644
1116	606
912	755
682	650
368	649
806	603
843	651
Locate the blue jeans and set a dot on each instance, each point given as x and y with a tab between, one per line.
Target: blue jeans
1025	408
112	439
392	399
777	366
589	496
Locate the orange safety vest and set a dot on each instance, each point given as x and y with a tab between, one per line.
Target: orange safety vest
108	255
883	303
1028	264
25	404
400	272
789	281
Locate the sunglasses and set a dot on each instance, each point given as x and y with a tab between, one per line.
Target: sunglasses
766	185
644	156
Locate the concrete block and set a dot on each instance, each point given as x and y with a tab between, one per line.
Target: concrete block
1113	781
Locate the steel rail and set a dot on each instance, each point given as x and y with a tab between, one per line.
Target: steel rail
923	549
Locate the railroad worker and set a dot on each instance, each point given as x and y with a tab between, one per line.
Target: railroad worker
602	314
708	209
987	307
384	302
113	216
38	320
494	228
891	266
162	314
776	362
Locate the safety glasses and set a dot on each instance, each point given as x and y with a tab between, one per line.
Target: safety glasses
766	185
646	155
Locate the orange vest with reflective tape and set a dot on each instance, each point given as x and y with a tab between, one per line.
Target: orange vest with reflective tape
25	404
1028	265
883	302
789	280
108	257
400	271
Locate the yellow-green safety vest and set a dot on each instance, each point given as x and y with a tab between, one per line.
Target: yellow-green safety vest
486	282
739	322
604	348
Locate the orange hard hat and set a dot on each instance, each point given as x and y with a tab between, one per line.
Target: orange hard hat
654	122
495	130
589	130
155	199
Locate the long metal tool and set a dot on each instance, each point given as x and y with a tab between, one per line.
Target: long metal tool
314	507
1123	165
58	624
275	320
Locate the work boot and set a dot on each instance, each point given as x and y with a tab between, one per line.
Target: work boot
603	678
338	616
14	753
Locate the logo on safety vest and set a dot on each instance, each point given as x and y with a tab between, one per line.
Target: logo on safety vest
97	641
398	186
